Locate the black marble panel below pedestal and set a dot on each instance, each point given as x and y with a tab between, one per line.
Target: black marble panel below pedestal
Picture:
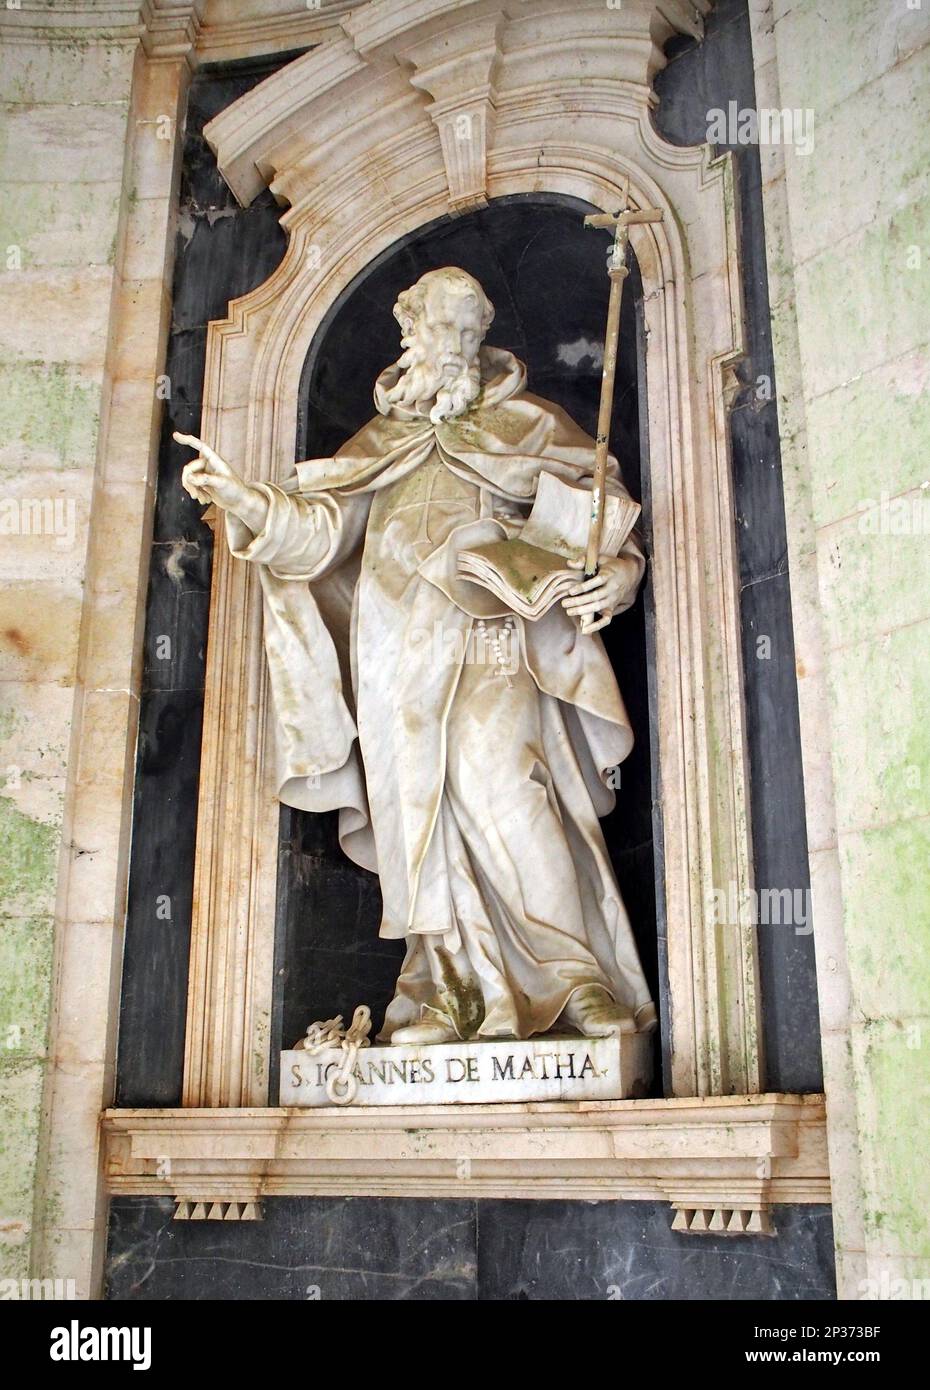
410	1249
331	1249
627	1250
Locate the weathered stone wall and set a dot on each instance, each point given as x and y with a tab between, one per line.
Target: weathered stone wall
848	242
89	164
65	109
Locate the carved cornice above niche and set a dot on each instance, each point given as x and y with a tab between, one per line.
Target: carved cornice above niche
166	28
170	30
446	68
210	31
248	28
203	31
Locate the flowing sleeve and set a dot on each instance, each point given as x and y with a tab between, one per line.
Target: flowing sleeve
305	534
312	537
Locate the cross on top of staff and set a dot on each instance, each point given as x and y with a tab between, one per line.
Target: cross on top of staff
617	270
622	220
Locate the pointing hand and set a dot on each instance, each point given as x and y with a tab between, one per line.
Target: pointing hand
209	478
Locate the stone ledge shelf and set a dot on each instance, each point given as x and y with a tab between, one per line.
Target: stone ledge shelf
720	1154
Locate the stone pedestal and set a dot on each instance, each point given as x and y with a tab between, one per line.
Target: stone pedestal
543	1069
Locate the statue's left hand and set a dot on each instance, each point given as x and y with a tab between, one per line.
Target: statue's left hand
592	601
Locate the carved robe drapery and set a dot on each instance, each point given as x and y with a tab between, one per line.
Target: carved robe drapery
472	786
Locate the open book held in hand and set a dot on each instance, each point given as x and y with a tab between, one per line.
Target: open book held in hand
530	573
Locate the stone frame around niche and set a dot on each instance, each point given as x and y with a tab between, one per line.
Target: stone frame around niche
362	140
349	201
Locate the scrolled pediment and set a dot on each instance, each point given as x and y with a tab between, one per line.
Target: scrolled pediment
442	81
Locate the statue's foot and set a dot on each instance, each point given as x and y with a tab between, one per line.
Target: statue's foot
428	1033
592	1011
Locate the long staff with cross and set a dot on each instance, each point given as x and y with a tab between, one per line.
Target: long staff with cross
618	271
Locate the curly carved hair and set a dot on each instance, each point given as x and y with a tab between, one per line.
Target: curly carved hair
410	303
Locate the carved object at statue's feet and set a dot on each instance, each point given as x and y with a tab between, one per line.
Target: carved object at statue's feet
429	1032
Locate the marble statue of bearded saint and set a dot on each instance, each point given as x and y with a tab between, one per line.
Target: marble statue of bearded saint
467	751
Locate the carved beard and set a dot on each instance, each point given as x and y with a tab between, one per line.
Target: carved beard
423	379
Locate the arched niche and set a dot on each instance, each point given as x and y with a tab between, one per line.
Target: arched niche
544	272
414	115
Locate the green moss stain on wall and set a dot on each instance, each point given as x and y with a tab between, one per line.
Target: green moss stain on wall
892	1065
25	984
50	410
21	1082
859	209
890	403
57	226
65	101
27	885
27	868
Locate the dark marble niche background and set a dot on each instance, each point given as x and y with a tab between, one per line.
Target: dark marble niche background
700	77
545	274
222	251
420	1248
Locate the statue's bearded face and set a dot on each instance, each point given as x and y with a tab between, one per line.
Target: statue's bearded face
444	318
